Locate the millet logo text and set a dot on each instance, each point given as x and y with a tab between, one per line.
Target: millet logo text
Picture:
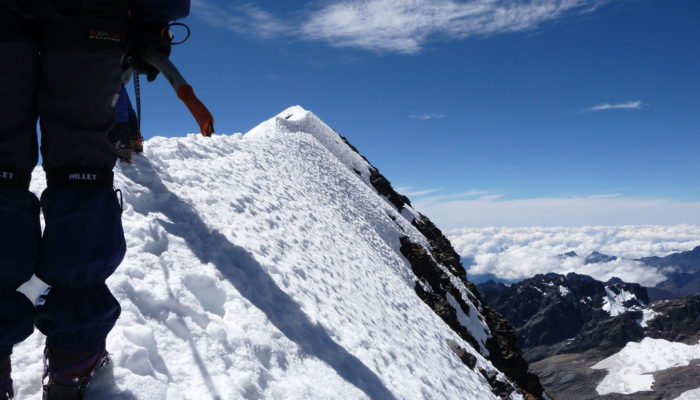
82	177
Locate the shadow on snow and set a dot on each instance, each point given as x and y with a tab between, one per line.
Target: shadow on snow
251	280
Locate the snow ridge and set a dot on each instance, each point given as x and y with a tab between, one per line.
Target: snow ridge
265	266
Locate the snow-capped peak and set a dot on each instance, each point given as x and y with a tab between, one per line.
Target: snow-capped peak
617	300
294	113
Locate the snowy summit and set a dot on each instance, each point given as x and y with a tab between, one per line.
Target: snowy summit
268	266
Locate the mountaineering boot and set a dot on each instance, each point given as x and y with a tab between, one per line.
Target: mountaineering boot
69	372
6	391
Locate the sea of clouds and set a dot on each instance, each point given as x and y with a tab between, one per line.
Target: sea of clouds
514	254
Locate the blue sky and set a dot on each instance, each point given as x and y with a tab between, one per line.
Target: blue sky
485	112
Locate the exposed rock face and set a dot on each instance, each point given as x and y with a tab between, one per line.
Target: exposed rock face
435	286
439	286
565	367
548	309
502	346
568	376
677	320
603	337
566	324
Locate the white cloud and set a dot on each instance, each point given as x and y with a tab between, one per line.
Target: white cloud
489	197
246	19
610	223
628	105
454	196
408	191
404	26
427	116
459	210
519	253
394	26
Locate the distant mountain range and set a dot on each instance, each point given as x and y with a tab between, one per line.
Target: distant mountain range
682	272
567	323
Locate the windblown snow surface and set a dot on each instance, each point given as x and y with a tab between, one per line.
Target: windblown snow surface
262	266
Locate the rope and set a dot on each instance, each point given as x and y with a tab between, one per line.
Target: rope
137	92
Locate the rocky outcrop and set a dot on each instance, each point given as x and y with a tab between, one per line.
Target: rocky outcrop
677	320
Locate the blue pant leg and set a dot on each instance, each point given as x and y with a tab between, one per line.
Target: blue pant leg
20	239
83	244
20	233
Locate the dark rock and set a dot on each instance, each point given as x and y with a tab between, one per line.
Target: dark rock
384	188
467	358
443	251
678	320
427	272
605	336
501	389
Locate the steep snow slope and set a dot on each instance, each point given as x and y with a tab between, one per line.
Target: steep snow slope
265	266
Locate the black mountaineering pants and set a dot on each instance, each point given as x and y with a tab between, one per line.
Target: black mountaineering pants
59	66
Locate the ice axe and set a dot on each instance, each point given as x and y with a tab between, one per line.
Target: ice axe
184	91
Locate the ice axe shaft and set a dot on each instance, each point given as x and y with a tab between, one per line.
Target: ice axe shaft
184	91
